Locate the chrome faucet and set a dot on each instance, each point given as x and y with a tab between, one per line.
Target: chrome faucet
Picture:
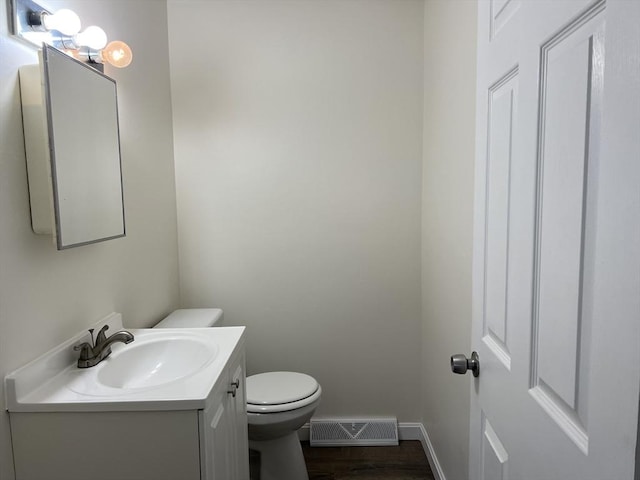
91	355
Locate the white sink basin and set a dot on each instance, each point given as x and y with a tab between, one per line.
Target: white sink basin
155	358
154	362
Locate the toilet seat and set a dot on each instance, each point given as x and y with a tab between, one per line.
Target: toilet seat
274	392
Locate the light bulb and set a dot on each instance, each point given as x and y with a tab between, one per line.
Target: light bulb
65	21
117	53
92	37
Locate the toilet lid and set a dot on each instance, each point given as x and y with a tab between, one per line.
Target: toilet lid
276	388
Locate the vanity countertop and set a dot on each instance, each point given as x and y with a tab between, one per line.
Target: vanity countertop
54	383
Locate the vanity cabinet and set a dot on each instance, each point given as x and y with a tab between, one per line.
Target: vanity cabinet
198	444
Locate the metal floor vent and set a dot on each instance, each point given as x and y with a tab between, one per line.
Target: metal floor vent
338	432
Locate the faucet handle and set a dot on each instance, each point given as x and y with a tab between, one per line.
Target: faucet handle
102	335
85	350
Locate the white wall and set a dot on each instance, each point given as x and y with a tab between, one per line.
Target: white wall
298	139
447	212
46	295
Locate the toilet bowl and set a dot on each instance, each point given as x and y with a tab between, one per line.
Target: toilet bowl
278	404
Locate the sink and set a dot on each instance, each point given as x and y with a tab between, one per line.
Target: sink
154	359
155	362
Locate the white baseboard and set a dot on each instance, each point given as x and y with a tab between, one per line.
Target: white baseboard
416	431
406	431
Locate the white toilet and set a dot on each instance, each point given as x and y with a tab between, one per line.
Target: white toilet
278	404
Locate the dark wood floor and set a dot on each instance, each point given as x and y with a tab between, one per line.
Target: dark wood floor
404	462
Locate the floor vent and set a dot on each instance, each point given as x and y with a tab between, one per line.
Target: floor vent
338	432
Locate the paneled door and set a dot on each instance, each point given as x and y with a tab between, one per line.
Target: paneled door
556	296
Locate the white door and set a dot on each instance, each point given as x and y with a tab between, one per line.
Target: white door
556	296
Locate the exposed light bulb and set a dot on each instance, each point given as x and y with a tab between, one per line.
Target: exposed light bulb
65	21
93	37
117	53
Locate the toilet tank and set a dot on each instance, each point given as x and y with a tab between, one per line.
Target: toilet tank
192	318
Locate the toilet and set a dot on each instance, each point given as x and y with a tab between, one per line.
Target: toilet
278	404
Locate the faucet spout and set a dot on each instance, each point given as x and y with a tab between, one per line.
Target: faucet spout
121	336
90	356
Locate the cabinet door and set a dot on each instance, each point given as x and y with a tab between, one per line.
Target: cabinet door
216	449
224	444
240	459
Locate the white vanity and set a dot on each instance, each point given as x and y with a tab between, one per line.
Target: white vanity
171	405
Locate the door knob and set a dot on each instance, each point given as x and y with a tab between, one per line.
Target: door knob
460	364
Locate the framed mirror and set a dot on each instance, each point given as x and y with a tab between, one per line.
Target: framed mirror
73	150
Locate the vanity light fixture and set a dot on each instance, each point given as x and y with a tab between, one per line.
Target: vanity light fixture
62	30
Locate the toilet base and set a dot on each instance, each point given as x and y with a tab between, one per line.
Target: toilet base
281	458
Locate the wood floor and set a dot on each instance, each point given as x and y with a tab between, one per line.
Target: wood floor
404	462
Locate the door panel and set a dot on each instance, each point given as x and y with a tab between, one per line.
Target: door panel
495	459
571	94
501	117
501	12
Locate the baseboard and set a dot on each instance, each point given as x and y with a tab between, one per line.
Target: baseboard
406	431
416	431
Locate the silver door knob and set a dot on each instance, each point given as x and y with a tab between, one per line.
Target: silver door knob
460	364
